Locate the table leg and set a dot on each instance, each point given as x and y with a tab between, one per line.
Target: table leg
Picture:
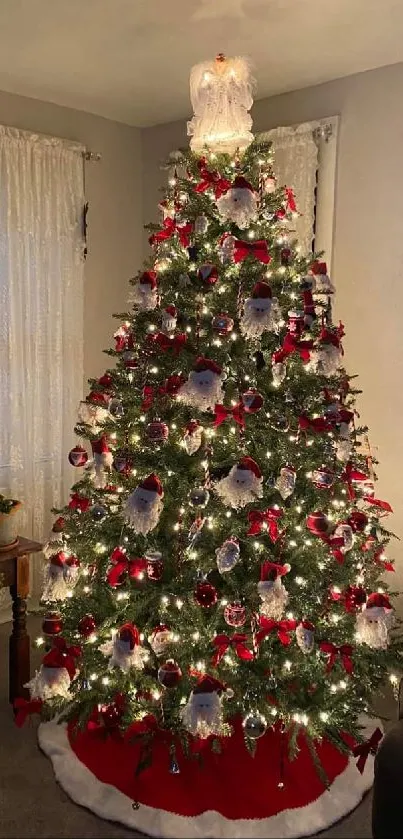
19	643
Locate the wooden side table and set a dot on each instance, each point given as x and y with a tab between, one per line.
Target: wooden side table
14	573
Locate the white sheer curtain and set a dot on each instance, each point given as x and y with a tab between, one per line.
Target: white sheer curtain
41	322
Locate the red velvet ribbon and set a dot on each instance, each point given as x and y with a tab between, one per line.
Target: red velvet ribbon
377	502
236	413
351	474
23	708
169	388
363	750
317	424
290	345
122	565
211	180
257	249
257	518
345	652
332	336
165	343
387	566
62	656
267	568
170	227
290	197
283	629
78	502
223	642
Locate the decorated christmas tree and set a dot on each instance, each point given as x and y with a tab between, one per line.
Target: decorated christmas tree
222	555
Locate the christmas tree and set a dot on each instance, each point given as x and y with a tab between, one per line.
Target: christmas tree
222	554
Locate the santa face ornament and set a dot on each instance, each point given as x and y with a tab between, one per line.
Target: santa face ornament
274	597
260	313
49	682
144	295
243	485
124	651
144	505
238	204
373	626
203	389
202	714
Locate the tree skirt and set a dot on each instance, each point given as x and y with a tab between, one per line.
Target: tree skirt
230	796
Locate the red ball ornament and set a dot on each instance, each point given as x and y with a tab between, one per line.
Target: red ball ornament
208	274
205	594
252	401
52	624
235	614
78	456
169	674
322	478
59	525
357	521
155	565
157	431
105	380
86	626
123	463
222	323
317	523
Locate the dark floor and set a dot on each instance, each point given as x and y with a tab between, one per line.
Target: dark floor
33	805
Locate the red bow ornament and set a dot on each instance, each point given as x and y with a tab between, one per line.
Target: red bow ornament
345	652
380	559
291	344
265	519
363	750
79	502
23	708
291	206
63	656
211	180
170	388
283	629
317	424
168	342
351	475
122	565
170	227
236	413
332	336
223	642
257	249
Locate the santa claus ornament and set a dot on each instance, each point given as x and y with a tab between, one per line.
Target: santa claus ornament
124	649
285	483
322	281
169	317
252	401
145	292
375	622
192	437
243	484
202	715
327	358
94	415
235	614
160	639
208	274
228	555
56	673
238	203
260	311
305	636
272	592
78	456
203	388
102	462
61	574
144	505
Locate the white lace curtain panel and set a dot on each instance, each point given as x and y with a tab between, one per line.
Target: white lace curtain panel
41	322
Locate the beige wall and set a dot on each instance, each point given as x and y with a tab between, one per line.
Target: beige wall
368	242
115	214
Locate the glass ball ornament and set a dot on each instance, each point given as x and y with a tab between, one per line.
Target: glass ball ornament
52	624
199	497
155	565
157	431
222	323
86	626
205	594
201	225
169	674
318	523
130	359
252	401
354	598
254	725
280	423
98	512
323	478
235	614
116	408
123	462
78	456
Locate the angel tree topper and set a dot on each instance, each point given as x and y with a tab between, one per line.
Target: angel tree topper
238	203
145	293
242	485
259	311
124	649
204	385
144	505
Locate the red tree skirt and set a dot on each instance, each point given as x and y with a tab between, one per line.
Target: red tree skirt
231	795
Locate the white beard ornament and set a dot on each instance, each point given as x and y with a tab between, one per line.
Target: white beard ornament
239	203
260	312
54	676
328	357
305	636
145	292
225	248
271	590
94	415
124	649
203	388
61	575
344	448
243	484
202	715
228	555
322	282
285	483
169	317
160	639
374	622
101	464
144	505
192	438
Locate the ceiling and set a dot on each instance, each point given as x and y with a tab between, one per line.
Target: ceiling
129	60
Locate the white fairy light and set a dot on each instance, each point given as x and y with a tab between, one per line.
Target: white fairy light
324	716
179	603
39	641
105	680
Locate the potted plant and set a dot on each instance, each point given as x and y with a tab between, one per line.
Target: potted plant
8	522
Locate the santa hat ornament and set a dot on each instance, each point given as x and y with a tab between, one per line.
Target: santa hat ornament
144	505
203	388
202	715
260	311
305	636
60	576
239	203
160	638
56	673
273	594
192	438
145	292
124	649
102	462
375	622
243	484
169	317
322	282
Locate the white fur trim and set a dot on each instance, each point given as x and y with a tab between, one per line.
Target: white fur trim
109	803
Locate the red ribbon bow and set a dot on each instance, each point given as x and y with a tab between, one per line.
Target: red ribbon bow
122	565
351	474
78	502
283	629
257	249
290	345
223	642
332	336
363	750
236	413
23	708
345	652
380	560
317	424
62	656
166	342
211	180
376	502
170	388
270	517
170	227
138	728
290	198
